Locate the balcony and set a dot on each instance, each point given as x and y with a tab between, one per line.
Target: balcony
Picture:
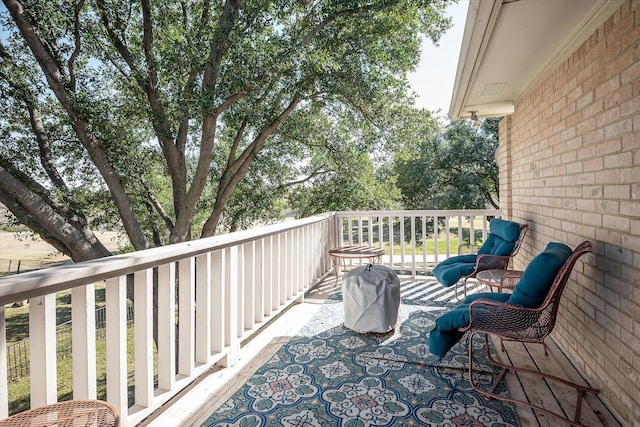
224	290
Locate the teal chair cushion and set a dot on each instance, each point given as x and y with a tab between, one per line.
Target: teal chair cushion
533	287
502	238
452	269
446	332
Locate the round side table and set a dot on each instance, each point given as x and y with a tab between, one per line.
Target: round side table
374	255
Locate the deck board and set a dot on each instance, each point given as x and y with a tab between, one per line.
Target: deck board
554	396
534	388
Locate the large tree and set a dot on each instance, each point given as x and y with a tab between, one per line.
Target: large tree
452	169
156	116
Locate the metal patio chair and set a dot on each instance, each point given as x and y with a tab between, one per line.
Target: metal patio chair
527	325
69	413
501	245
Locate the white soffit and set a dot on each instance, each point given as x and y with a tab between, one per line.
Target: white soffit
510	46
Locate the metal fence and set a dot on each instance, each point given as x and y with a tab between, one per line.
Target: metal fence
18	352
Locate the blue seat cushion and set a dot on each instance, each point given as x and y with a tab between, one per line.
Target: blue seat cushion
452	269
533	287
446	332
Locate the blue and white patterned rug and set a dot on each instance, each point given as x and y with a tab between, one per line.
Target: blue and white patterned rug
329	375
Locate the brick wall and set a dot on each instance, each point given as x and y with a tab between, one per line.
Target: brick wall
570	167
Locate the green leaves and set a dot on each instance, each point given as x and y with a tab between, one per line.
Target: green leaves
176	120
453	170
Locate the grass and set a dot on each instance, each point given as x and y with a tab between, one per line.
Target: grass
429	248
17	318
20	394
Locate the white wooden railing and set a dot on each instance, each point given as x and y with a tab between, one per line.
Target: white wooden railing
222	289
409	233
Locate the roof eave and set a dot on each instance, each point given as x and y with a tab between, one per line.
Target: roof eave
481	31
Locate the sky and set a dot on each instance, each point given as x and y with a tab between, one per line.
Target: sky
434	78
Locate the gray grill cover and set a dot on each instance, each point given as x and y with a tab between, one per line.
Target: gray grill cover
371	296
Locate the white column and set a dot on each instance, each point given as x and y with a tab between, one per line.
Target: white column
167	326
83	317
42	343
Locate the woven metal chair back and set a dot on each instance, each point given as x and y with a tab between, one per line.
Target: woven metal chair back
522	323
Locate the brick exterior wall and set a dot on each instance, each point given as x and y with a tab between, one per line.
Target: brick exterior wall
570	167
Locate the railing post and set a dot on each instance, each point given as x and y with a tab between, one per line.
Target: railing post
186	319
307	247
205	334
143	330
166	326
231	306
83	317
259	277
116	303
249	284
42	341
421	240
4	395
436	233
275	272
269	274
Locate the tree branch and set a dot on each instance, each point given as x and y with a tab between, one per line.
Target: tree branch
81	126
76	37
156	205
232	175
27	205
315	173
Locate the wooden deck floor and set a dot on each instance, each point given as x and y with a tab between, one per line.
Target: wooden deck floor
192	410
551	395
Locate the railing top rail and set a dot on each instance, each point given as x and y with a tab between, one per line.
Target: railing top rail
54	279
437	212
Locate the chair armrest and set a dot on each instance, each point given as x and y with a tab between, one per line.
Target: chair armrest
68	412
510	321
491	262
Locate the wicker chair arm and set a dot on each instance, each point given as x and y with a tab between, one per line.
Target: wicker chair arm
510	321
67	413
490	262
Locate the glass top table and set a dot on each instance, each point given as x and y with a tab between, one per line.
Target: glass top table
499	278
